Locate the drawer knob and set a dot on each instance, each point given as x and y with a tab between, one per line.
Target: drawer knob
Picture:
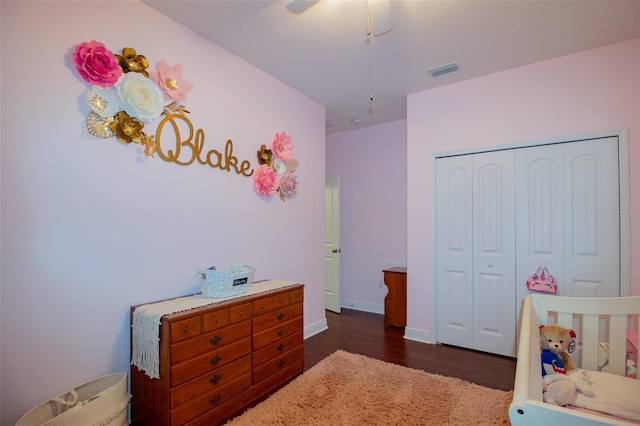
281	315
281	332
215	399
216	359
216	378
217	320
215	339
280	346
241	313
263	307
186	330
281	363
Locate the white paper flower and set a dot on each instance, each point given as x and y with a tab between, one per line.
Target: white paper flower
279	166
103	101
140	97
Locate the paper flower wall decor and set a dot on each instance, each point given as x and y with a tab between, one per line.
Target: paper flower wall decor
124	96
277	168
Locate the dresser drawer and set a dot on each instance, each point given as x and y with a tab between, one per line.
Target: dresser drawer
262	306
274	318
185	329
296	296
206	383
277	364
276	333
240	313
209	400
216	319
209	341
216	358
276	349
280	301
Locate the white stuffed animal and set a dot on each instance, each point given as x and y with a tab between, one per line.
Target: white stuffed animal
558	389
581	379
561	389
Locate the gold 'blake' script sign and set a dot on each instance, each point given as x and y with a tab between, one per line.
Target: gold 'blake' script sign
194	149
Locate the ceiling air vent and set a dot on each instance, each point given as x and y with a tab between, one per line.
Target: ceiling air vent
445	69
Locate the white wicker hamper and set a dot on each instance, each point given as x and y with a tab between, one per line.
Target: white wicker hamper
103	401
226	282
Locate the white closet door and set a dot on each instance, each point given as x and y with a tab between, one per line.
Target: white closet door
500	215
454	256
567	198
494	252
475	252
592	224
539	215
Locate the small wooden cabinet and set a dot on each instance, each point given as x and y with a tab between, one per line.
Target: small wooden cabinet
218	359
395	302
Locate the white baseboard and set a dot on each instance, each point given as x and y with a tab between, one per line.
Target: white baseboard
418	335
315	328
361	306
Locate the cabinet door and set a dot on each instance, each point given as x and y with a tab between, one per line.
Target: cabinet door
454	251
494	318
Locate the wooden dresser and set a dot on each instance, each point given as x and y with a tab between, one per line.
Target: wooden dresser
218	359
395	302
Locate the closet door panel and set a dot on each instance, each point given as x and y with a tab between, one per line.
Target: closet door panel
454	260
592	231
494	252
539	215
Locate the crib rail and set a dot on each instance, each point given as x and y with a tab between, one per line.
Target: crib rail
594	320
590	314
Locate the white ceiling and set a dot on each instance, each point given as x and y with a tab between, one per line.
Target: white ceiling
324	52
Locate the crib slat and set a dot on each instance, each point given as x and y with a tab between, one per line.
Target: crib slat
589	340
617	345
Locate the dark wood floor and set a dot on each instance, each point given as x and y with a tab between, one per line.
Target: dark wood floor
364	333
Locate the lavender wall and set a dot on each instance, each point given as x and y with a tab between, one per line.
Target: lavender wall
371	163
90	227
588	92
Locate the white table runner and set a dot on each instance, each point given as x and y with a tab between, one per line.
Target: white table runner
146	322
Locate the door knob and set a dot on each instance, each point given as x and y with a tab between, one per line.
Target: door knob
336	250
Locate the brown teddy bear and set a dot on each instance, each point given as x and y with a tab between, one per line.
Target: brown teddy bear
560	341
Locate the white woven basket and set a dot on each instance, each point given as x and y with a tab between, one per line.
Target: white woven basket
103	401
226	282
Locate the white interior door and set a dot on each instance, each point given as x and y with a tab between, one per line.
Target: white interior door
454	251
592	230
475	250
494	259
565	194
332	244
500	215
540	203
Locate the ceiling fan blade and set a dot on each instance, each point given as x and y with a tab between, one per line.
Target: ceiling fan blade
299	6
381	21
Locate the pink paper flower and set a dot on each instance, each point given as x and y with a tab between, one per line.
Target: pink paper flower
288	184
265	180
282	146
96	64
169	78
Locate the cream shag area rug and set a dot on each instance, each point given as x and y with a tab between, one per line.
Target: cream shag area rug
349	389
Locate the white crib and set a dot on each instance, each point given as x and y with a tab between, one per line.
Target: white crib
595	320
